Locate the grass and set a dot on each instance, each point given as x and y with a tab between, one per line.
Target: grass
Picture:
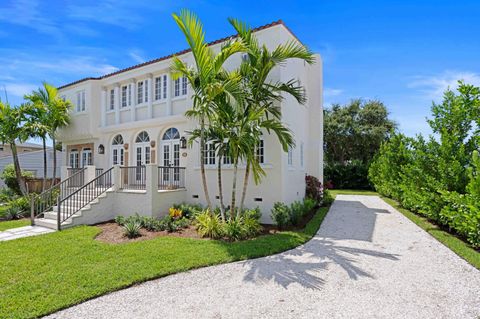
43	274
458	246
4	225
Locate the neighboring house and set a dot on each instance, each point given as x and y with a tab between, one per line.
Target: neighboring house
5	149
33	162
135	117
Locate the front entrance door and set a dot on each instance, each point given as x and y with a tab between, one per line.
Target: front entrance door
142	158
170	161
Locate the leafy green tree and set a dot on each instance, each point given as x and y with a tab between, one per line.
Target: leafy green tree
356	130
11	131
208	78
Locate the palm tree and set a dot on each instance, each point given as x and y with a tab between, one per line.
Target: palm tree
263	94
208	79
50	113
11	130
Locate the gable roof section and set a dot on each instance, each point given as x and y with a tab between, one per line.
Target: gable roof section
263	27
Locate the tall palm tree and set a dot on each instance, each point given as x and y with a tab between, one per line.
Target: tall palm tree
49	114
263	94
12	130
207	78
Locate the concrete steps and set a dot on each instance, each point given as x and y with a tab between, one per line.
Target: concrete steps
87	202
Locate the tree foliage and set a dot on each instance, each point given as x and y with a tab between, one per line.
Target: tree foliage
353	134
438	177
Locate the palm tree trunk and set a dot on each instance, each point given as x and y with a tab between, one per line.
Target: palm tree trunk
18	171
220	190
234	189
202	163
44	163
245	185
54	173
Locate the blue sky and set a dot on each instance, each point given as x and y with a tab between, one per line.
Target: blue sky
404	53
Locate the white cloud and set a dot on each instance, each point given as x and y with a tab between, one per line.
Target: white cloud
18	89
435	85
137	56
28	13
331	92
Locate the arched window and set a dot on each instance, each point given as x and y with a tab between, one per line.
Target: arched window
117	150
142	137
171	134
117	140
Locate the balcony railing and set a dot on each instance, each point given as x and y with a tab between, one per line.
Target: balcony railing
171	177
133	177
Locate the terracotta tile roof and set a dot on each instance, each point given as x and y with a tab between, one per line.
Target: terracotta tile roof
266	26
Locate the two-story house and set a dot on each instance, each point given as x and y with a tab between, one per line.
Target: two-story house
134	118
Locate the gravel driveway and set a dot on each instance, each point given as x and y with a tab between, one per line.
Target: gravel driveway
366	261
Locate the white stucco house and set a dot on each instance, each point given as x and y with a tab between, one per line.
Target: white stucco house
133	121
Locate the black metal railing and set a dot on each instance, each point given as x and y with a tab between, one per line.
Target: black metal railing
45	201
133	177
170	177
74	178
68	206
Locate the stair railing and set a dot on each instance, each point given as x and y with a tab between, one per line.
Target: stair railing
67	206
44	202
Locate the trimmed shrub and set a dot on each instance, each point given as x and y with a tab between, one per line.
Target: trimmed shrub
252	226
281	215
10	179
132	229
313	188
209	225
350	175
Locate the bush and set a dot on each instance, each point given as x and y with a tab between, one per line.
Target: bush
234	229
9	178
308	205
132	229
281	215
296	213
23	203
313	188
14	212
252	226
255	213
327	198
7	194
209	225
189	210
349	175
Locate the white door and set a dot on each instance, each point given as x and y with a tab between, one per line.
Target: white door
87	157
142	158
170	160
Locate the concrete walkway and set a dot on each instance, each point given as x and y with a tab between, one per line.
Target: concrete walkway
26	231
367	261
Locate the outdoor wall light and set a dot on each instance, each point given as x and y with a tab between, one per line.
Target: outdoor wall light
183	142
101	149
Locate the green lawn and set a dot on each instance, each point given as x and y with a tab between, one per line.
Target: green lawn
457	245
40	275
4	225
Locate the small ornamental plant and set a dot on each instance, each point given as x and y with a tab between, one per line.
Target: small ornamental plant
175	213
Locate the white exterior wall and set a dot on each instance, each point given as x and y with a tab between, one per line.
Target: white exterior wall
282	183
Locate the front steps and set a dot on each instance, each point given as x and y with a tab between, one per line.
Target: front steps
88	202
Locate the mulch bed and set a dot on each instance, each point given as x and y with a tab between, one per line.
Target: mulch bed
113	233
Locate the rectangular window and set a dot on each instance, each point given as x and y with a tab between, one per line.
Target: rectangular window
301	154
184	85
86	157
124	96
227	160
164	86
73	158
112	99
147	155
290	156
260	152
177	87
209	153
145	89
140	92
130	94
80	101
158	88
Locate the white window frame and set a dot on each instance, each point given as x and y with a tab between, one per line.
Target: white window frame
176	87
87	157
124	96
184	86
80	101
73	159
130	94
260	151
111	100
209	154
290	157
302	155
180	87
140	91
